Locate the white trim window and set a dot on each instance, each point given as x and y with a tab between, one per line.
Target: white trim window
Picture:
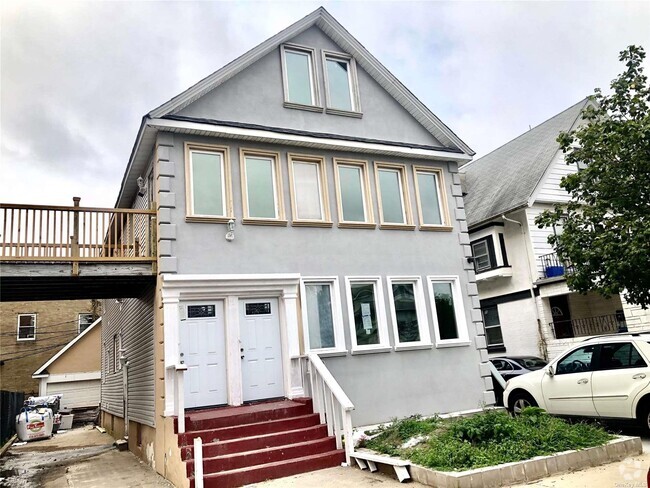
299	77
208	183
308	185
322	316
449	321
366	314
341	84
26	327
408	312
84	320
262	188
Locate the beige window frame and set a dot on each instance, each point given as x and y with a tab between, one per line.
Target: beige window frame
405	196
445	226
279	218
353	82
326	218
315	106
369	222
33	316
226	184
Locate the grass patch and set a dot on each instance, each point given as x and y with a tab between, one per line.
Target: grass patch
490	438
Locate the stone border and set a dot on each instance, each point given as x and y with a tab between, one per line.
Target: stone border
531	469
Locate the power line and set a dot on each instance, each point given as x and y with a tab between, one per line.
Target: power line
33	352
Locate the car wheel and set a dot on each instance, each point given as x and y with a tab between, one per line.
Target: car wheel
520	401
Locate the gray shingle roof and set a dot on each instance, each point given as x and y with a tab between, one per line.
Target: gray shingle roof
505	179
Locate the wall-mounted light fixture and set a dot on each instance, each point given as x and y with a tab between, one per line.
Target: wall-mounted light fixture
142	186
230	235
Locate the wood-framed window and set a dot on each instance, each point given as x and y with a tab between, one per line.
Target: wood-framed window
322	316
431	199
26	327
208	183
366	314
261	182
309	193
449	321
393	197
84	320
483	253
408	312
300	78
341	84
353	193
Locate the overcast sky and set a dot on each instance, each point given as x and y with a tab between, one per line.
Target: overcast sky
78	76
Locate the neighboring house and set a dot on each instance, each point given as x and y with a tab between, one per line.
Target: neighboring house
306	202
75	371
526	304
31	332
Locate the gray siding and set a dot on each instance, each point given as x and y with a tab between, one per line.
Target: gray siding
256	96
133	319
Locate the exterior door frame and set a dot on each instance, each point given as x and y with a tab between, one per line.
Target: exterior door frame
177	290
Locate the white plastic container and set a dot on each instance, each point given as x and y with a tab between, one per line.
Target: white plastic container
66	421
34	424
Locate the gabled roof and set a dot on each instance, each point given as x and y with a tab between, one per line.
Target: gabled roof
505	179
42	369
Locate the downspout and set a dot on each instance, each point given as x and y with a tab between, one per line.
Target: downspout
542	341
125	391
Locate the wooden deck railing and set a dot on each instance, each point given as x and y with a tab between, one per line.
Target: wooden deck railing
76	234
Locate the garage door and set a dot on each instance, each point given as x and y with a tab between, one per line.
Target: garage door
76	394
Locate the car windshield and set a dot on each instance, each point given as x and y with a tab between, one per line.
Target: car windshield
530	363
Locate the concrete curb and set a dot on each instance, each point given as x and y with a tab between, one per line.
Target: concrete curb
530	469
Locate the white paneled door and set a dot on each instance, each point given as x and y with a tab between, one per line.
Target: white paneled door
261	349
203	351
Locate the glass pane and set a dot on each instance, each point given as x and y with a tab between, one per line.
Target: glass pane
207	184
298	79
428	186
85	321
351	194
493	335
365	314
406	313
491	316
391	196
307	188
260	187
339	84
319	316
576	362
445	311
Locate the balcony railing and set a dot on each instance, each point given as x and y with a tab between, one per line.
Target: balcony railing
76	234
553	266
602	324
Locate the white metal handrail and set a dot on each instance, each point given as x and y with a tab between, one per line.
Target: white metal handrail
178	372
331	403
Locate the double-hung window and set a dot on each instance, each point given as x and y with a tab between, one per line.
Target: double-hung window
261	188
484	256
432	203
26	327
300	78
492	326
322	316
366	314
208	186
341	86
408	312
85	320
353	193
308	184
392	189
448	312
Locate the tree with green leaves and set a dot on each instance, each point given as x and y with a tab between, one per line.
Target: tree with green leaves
606	223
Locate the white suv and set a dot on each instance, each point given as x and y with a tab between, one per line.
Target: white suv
606	376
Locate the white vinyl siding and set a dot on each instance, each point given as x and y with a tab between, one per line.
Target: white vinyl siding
549	190
538	237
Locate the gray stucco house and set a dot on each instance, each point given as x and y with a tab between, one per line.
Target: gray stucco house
307	204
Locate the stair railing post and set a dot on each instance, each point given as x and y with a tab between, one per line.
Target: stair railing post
347	433
179	398
74	251
198	462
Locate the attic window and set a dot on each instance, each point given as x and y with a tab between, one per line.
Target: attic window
342	89
299	75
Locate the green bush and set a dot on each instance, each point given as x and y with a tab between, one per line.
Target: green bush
490	438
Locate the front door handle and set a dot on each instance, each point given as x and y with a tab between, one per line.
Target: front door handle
638	376
583	381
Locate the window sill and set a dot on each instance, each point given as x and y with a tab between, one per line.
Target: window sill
253	221
357	225
437	228
300	106
412	347
311	223
345	113
26	339
494	273
492	349
329	353
208	220
452	343
397	226
371	350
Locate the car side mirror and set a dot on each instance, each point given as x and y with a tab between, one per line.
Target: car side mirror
550	372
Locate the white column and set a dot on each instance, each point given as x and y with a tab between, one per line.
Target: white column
293	371
171	318
233	350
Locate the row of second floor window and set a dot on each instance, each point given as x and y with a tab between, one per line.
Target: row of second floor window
209	190
26	330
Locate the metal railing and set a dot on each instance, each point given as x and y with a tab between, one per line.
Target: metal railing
602	324
75	234
553	266
331	403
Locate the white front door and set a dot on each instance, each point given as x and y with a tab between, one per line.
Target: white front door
261	349
203	351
